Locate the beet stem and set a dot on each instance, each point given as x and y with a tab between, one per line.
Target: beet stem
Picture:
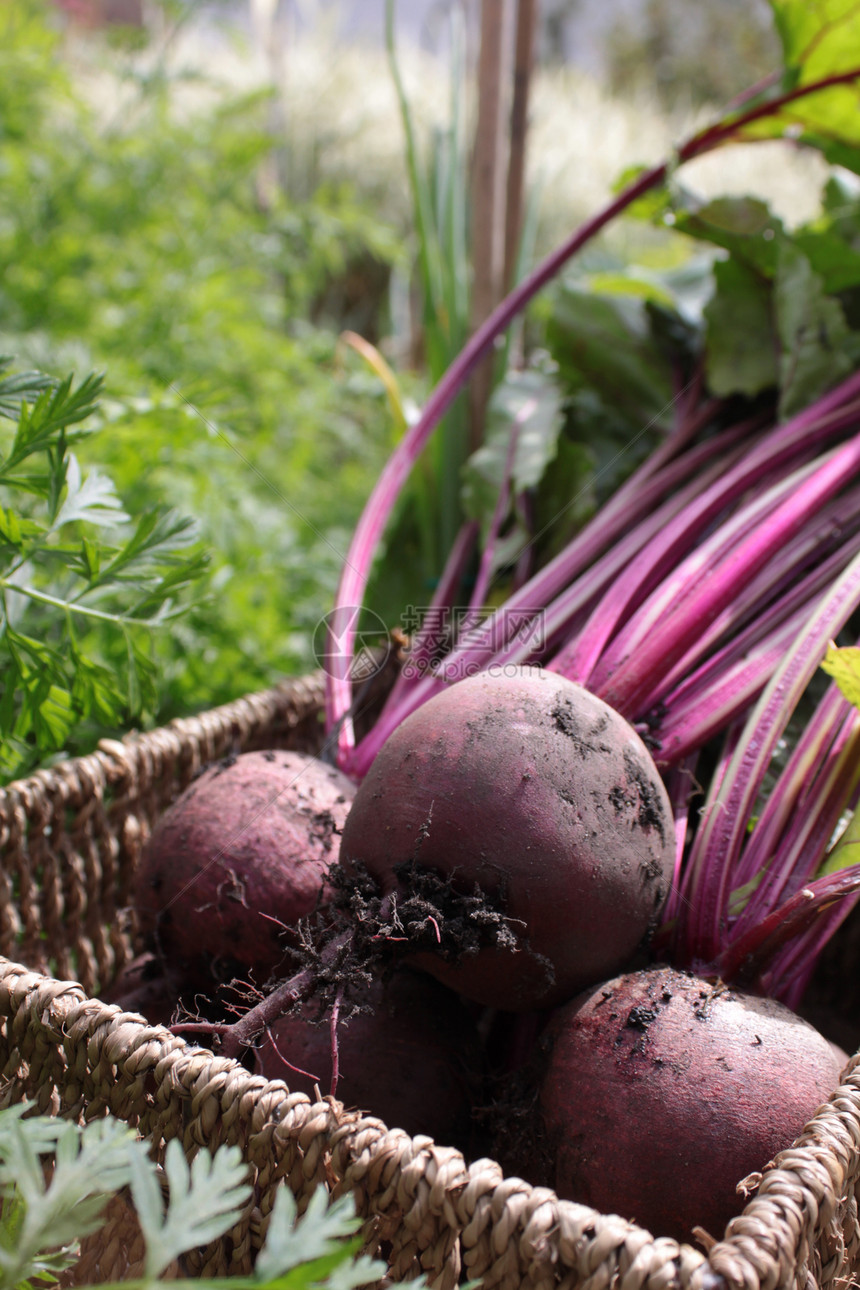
428	640
718	845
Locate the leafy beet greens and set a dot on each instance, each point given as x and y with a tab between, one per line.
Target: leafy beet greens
699	597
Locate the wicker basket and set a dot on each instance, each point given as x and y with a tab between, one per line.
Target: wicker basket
71	838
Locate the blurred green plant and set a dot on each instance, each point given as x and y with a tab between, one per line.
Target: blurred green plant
692	53
137	237
438	177
435	507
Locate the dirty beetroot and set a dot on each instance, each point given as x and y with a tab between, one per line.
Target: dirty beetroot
526	792
660	1092
237	861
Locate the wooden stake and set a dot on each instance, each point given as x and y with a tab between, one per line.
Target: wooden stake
523	63
488	195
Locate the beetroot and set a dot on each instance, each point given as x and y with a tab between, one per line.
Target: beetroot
240	856
527	787
663	1092
411	1060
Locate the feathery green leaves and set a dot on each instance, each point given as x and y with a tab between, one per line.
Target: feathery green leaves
81	587
44	1211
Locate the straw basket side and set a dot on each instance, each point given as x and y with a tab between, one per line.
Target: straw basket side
71	837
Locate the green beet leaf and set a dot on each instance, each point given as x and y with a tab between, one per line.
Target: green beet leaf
526	405
818	347
743	226
742	347
820	40
607	342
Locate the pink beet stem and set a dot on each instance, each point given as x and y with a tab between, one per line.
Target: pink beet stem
429	638
631	682
746	959
803	846
731	678
810	751
717	846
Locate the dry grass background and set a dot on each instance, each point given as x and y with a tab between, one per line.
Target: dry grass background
336	116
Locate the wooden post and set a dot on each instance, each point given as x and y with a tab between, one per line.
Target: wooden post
523	63
488	194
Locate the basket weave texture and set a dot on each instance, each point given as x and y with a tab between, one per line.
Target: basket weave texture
71	837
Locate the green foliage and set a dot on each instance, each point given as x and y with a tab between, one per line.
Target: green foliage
315	1250
82	587
608	343
527	404
780	313
439	190
42	1220
448	485
44	1213
621	353
767	312
742	356
819	40
144	239
520	442
204	1199
817	348
843	664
